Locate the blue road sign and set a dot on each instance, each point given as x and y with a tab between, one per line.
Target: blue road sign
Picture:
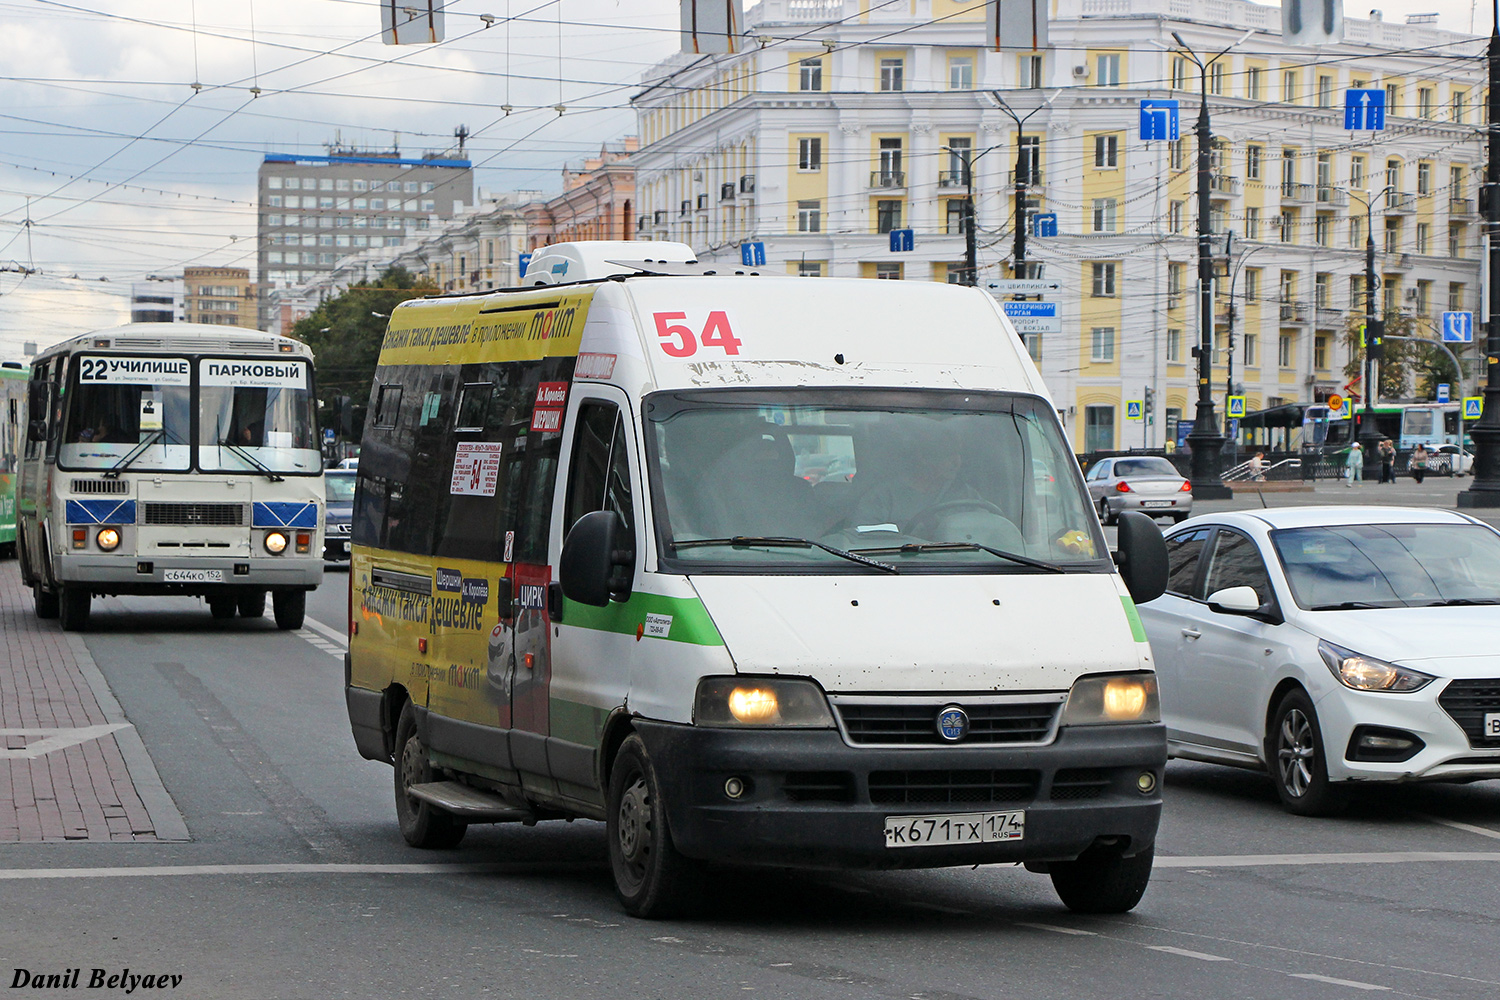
903	240
753	254
1044	224
1458	327
328	434
1159	120
523	261
1444	392
1134	409
1014	309
1236	408
1473	407
1364	110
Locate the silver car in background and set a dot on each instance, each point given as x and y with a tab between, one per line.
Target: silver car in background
1146	483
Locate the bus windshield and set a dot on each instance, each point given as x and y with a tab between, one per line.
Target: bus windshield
796	480
134	411
256	415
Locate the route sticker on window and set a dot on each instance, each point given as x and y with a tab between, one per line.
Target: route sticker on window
121	370
658	626
510	546
254	374
547	414
600	366
476	469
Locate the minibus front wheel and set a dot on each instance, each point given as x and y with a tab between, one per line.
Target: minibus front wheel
652	878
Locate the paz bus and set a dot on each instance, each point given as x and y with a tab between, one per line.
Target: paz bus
172	459
12	406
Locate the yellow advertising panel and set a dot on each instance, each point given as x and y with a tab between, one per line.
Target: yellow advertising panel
521	326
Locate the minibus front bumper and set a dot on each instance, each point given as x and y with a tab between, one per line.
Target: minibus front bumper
127	574
811	799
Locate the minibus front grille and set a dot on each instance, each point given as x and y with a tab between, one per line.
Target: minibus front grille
913	788
1072	783
915	724
100	487
818	786
1467	702
194	514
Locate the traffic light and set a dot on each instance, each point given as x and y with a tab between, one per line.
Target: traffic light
1376	335
1150	397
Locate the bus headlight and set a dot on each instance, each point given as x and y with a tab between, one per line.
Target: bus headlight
275	543
1100	700
761	701
108	539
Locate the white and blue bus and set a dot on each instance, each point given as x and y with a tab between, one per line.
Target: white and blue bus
172	459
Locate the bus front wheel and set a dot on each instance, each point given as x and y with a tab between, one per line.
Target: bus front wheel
253	605
73	608
45	601
289	606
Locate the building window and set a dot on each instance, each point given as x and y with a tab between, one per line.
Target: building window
1392	99
810	74
1392	177
890	163
887	216
1356	171
1425	102
1179	73
955	215
1286	226
1252	223
1252	284
1322	227
1216	79
1102	340
1252	162
1323	290
888	272
1325	91
1107	69
1456	182
1392	235
1424	297
1104	279
891	74
1289	86
1098	428
1033	343
1106	150
1391	299
1104	215
1252	83
1249	341
1424	179
810	269
1284	350
1174	345
1320	352
1356	232
1288	168
961	73
1031	73
1460	106
809	216
1455	296
1175	216
959	150
1424	232
274	183
810	154
1176	155
1456	240
1028	159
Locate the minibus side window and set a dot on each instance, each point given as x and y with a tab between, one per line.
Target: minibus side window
600	475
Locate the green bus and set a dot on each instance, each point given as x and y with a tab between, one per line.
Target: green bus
12	432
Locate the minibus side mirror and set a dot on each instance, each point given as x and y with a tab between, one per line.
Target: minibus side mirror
596	564
1142	557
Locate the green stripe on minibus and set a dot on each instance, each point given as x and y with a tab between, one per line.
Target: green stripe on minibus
690	620
1136	628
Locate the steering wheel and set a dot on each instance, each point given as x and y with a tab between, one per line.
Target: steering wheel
918	522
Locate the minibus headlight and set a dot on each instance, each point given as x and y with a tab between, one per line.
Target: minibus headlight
108	539
1109	698
761	701
275	543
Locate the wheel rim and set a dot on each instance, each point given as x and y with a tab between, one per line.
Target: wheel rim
1296	752
1104	510
413	764
634	827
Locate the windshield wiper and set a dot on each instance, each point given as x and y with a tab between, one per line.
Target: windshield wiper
1354	606
113	472
968	547
1461	602
782	542
251	460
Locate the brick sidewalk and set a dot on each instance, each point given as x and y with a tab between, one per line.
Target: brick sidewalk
72	768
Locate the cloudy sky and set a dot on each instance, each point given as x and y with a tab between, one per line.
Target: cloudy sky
124	169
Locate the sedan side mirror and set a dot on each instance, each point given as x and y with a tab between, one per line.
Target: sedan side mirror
595	565
1142	557
1234	601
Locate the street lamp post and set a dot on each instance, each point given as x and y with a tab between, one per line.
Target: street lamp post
1025	168
1484	491
1205	439
1229	354
1374	330
971	239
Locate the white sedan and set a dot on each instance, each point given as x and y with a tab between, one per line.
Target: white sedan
1331	646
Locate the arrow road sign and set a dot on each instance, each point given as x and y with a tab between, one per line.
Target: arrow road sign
1159	120
1458	327
753	254
902	240
1033	317
1473	407
1044	224
1022	286
1364	110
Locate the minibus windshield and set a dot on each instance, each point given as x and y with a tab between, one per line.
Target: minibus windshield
256	415
133	412
922	481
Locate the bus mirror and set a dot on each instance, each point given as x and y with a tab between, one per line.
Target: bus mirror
36	402
1142	557
36	430
592	558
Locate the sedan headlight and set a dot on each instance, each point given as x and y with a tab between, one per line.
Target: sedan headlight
1109	698
761	702
275	543
1365	673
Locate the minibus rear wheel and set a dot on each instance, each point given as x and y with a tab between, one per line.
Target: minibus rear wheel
422	824
652	878
1101	881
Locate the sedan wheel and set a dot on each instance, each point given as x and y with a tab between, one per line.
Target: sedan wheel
1106	516
1298	766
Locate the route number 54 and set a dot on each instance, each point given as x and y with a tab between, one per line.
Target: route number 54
679	341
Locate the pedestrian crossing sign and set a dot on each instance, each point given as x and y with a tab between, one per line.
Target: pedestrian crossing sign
1236	407
1473	407
1135	409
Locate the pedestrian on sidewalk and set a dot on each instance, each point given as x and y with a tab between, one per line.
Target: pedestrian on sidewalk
1354	465
1387	461
1418	463
1258	467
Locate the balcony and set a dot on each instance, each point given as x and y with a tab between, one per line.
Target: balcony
1331	196
952	179
1031	178
1223	185
1327	316
1400	201
1294	192
1460	206
887	178
1293	312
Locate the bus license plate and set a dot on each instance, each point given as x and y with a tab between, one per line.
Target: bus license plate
192	576
954	828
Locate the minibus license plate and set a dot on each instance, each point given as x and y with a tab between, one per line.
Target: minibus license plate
954	828
192	576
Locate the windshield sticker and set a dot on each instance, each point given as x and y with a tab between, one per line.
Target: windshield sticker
600	366
151	411
134	371
510	546
476	469
548	412
254	374
658	626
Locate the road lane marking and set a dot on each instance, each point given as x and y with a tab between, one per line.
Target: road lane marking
1276	860
1056	929
1336	982
328	632
1199	955
1466	827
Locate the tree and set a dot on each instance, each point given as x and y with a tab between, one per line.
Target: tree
345	333
1402	358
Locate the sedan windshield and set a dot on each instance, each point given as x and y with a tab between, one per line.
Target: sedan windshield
1390	565
912	481
256	415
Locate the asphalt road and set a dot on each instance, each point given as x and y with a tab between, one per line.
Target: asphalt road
296	884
